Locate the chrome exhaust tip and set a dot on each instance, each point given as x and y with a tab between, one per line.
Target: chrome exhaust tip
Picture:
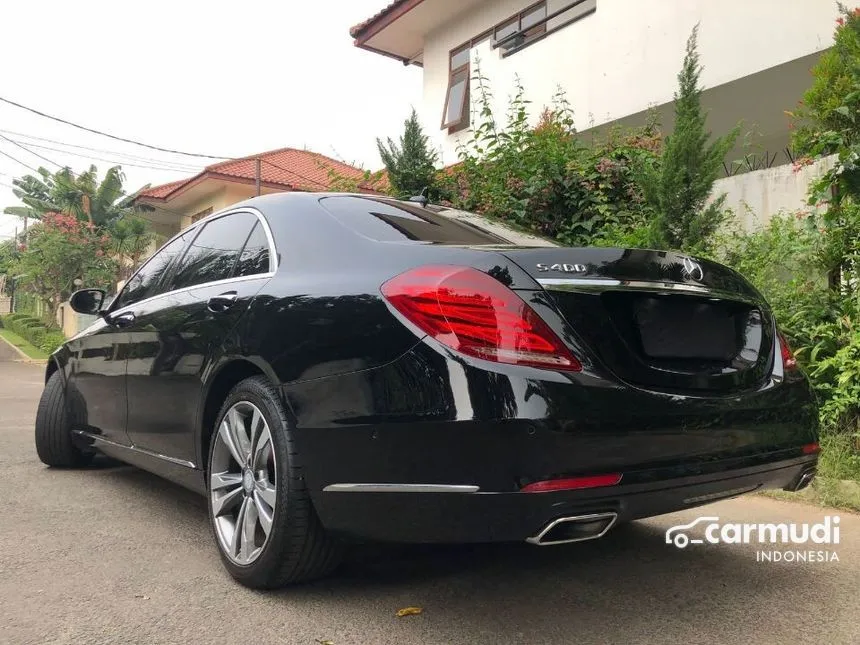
576	528
802	482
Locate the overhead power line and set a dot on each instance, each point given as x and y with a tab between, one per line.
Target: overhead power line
6	154
153	147
125	155
106	134
115	161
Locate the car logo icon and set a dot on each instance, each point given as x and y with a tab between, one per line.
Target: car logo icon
675	534
693	270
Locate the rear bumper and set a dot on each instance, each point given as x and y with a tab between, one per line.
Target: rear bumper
483	516
433	418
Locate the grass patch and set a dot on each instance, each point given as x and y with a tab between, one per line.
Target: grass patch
838	481
28	349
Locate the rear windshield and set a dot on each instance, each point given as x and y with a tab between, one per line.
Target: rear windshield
390	220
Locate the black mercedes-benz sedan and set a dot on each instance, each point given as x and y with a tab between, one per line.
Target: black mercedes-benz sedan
328	367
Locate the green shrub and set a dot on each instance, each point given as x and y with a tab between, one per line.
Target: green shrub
51	341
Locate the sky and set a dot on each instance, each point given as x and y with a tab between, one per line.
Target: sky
220	78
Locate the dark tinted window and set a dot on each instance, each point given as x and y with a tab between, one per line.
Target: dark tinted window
148	281
213	253
255	255
388	220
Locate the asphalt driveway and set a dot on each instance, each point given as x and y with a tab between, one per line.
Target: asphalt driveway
114	555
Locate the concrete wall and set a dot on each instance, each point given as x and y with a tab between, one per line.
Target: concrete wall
624	58
757	196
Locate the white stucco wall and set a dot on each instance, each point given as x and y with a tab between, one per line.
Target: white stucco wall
755	197
624	58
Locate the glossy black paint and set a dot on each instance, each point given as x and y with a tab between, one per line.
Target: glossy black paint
371	401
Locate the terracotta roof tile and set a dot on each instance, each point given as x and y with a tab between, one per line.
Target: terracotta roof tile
355	30
288	167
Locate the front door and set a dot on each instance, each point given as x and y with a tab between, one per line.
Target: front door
96	384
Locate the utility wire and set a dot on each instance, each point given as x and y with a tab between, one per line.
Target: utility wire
105	134
161	162
35	154
6	154
152	147
114	161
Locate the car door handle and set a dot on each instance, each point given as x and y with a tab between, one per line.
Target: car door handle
122	320
222	302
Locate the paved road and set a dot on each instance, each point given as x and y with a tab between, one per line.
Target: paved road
114	555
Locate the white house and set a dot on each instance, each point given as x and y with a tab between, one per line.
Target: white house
615	60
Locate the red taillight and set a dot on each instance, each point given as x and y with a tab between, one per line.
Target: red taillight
789	362
572	483
475	314
811	448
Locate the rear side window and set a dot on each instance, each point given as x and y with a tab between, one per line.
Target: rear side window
389	220
148	281
255	256
213	254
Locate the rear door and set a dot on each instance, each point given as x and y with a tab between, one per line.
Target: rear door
174	336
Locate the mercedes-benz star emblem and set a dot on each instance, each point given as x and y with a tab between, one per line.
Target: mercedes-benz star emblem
693	270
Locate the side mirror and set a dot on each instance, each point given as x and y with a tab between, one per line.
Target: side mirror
87	301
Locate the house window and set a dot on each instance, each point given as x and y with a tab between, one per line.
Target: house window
201	214
456	114
518	30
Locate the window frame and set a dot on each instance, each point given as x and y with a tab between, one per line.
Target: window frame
530	34
273	259
465	111
173	270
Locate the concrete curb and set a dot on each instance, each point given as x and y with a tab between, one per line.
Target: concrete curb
23	357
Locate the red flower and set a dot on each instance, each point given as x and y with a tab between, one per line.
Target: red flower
840	21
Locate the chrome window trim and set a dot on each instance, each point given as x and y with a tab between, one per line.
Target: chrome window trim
273	257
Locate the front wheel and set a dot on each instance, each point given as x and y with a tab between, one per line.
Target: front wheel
54	443
265	526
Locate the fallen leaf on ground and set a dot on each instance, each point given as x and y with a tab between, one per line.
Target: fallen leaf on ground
409	611
325	642
141	596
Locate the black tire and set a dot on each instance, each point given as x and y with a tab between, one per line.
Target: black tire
54	443
298	548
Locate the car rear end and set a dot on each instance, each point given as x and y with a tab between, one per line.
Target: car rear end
554	392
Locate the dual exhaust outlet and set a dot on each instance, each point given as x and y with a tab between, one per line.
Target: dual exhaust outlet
576	528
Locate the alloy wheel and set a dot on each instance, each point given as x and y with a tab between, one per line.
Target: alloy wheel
243	483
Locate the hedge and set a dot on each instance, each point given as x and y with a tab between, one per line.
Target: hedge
34	331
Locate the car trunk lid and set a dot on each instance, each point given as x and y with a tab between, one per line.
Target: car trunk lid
659	319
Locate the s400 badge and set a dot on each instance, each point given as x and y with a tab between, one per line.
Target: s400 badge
565	268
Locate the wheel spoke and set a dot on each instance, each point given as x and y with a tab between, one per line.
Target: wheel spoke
227	437
226	501
225	480
264	512
262	449
236	541
256	425
266	491
249	530
239	434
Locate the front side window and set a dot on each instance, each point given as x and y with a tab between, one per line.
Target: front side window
456	114
212	255
149	280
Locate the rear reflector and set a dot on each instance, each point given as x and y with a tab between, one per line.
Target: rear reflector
572	483
811	448
475	314
789	362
